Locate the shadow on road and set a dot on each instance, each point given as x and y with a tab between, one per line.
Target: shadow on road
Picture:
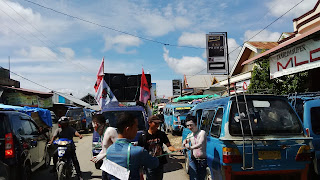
174	163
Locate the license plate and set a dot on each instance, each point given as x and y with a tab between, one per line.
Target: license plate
264	155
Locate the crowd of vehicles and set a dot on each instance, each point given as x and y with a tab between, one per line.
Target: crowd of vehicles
174	117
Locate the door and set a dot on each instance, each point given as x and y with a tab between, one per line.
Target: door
41	141
22	127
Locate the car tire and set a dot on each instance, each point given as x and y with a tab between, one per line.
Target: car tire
208	174
26	172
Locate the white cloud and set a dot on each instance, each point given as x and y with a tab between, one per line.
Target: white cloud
279	7
234	50
121	43
164	88
37	53
68	52
265	35
185	65
192	39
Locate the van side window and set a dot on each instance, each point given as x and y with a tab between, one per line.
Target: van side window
198	116
206	120
315	114
216	124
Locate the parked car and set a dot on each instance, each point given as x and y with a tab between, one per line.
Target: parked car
23	149
252	135
80	118
111	114
174	116
307	106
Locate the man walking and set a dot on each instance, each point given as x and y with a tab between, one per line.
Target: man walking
153	141
126	158
108	136
197	143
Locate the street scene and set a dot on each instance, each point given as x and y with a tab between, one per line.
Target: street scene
160	90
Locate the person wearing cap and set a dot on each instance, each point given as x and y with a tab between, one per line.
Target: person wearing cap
153	140
108	135
66	131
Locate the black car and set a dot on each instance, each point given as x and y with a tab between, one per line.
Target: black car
23	148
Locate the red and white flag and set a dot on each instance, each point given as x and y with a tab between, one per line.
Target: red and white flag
100	75
105	97
144	89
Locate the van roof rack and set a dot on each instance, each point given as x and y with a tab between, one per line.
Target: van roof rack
305	94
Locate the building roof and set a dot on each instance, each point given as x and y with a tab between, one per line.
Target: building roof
298	39
28	91
263	44
74	99
308	13
247	49
202	81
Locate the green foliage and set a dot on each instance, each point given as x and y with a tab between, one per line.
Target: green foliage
284	85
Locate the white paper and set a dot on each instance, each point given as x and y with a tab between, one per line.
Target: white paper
115	169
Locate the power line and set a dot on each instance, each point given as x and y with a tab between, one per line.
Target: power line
260	31
110	28
83	67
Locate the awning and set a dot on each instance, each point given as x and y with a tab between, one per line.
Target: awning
315	32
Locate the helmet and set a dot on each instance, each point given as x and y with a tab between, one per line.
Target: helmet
63	120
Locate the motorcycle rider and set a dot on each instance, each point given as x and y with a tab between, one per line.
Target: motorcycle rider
66	131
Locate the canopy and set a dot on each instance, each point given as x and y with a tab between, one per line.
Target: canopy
193	97
44	114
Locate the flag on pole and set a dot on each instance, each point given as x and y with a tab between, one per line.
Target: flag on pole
144	89
100	75
105	97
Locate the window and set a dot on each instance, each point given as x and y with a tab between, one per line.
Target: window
315	114
198	116
206	119
112	115
216	124
268	116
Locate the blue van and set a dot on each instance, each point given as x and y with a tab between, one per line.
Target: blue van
174	116
111	114
252	135
307	106
80	118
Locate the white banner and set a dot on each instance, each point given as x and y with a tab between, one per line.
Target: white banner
302	57
216	53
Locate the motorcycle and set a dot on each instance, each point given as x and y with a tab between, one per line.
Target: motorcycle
64	165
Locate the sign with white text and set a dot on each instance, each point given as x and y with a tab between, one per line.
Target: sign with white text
302	57
216	53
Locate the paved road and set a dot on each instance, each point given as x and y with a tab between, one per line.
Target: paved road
173	170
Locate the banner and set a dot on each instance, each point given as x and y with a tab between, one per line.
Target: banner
144	89
105	97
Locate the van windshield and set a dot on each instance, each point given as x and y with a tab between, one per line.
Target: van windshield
315	114
76	114
183	111
111	116
268	117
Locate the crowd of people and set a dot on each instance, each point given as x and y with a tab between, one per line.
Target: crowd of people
121	159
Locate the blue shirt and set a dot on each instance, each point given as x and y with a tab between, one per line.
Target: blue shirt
139	157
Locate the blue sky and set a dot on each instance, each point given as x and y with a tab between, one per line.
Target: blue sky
64	53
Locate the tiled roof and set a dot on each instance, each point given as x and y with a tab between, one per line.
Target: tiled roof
29	90
263	45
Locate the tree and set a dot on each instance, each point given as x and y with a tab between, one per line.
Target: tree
284	85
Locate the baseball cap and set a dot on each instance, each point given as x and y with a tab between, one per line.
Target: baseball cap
155	119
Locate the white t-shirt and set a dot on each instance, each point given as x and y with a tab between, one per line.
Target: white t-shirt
198	144
109	137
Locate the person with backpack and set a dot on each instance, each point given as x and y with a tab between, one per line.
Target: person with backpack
153	140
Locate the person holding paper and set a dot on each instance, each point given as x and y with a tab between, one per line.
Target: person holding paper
123	160
108	135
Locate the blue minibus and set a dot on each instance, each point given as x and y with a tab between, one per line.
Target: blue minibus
252	135
174	116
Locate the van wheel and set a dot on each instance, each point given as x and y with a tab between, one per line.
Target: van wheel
208	174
